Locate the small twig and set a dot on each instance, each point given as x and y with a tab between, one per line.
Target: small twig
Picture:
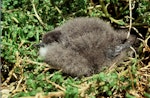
59	11
137	32
56	85
10	11
41	64
111	68
129	70
130	26
58	94
19	82
88	78
36	14
145	42
134	51
147	75
18	61
15	19
92	7
22	77
11	73
145	67
22	42
53	74
84	88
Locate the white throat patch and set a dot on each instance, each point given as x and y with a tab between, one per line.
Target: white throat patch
43	51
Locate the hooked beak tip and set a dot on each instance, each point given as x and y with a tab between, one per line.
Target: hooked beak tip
39	45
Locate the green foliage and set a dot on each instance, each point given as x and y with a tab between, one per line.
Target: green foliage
57	78
143	12
36	83
147	95
109	80
129	96
71	92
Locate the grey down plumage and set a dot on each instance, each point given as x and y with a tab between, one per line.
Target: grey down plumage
82	46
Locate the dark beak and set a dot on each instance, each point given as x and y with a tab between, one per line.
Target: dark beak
39	45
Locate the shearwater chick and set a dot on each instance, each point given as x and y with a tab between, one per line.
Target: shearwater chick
82	46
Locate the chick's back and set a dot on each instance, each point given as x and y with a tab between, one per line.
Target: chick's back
82	46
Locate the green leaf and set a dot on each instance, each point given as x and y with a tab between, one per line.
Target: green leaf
129	96
71	92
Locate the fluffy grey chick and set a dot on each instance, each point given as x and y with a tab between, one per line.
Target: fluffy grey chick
82	46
